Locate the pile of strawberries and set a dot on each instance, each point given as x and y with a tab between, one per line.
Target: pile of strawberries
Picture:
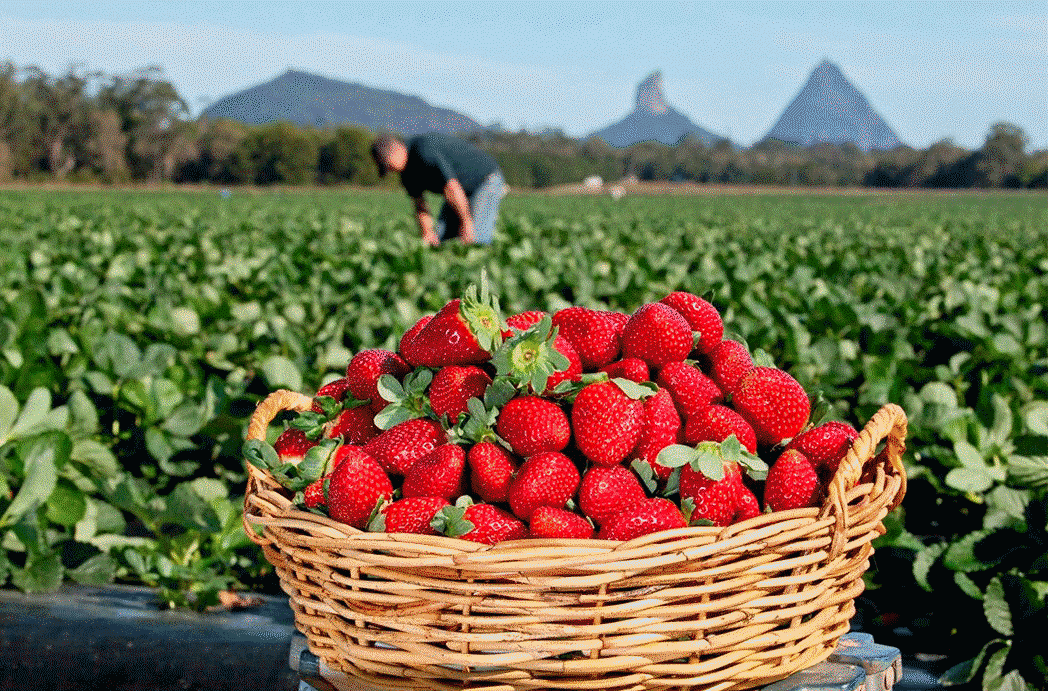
578	424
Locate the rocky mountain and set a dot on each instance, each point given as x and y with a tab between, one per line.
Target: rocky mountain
830	110
653	119
308	99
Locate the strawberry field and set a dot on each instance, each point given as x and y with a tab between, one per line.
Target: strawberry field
138	331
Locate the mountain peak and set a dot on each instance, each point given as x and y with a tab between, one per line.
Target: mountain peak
303	98
650	98
829	109
653	119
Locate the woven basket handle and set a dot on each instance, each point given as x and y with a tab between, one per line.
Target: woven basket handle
268	409
888	424
264	414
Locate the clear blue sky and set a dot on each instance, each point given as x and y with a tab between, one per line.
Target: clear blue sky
932	69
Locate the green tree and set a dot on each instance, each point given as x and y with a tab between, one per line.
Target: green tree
153	117
1002	157
60	113
346	157
277	153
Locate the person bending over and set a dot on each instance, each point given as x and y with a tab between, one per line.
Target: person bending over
469	179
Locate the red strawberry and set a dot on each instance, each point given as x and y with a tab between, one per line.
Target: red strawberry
313	494
606	422
550	521
292	445
606	490
491	471
366	367
657	334
700	315
826	444
662	427
773	402
545	479
574	369
690	388
643	518
593	334
531	425
336	389
792	483
619	319
728	361
484	523
631	368
400	446
714	500
452	386
440	473
409	515
356	486
410	334
717	423
522	321
746	505
354	425
463	332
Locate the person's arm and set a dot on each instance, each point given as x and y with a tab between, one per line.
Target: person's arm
425	221
458	201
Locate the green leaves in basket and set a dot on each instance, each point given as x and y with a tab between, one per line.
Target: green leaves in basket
293	476
709	457
407	401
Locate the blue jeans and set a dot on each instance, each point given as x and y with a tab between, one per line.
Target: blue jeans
483	205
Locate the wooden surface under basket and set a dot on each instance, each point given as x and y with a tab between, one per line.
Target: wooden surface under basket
694	608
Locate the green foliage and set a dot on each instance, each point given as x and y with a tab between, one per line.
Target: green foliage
138	332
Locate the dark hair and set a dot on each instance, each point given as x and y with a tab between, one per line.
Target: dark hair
381	149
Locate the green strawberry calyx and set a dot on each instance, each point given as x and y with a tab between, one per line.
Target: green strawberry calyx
407	401
528	358
709	457
483	316
451	520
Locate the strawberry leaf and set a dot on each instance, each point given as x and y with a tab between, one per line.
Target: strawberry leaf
390	389
762	358
675	456
820	408
731	448
709	462
261	454
636	390
753	466
687	507
392	415
310	423
451	520
646	474
329	407
415	383
499	392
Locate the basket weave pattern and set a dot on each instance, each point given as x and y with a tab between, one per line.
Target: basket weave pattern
694	608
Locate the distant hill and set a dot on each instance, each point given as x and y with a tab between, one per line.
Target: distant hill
653	119
308	99
830	110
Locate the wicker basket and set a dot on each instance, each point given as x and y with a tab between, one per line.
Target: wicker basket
694	608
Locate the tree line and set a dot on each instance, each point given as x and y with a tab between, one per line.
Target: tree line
90	126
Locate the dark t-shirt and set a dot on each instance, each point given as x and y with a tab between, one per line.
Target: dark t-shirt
435	158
